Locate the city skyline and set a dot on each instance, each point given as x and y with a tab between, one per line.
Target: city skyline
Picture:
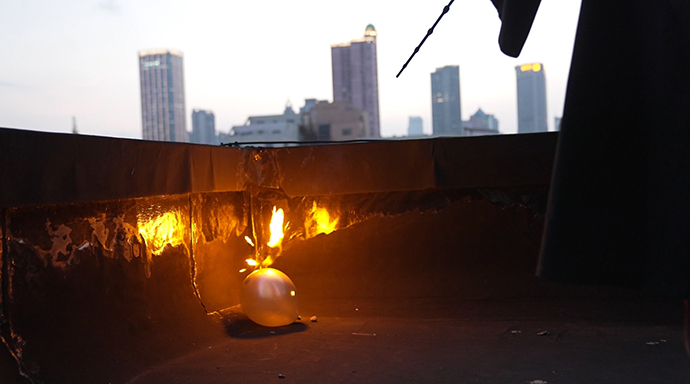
77	59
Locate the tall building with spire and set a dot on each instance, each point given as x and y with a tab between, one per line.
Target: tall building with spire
162	95
355	76
531	98
445	101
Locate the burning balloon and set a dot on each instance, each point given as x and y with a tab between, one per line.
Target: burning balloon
268	298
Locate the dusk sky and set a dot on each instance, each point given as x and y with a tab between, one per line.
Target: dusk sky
67	58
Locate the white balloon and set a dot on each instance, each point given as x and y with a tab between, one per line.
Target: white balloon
268	298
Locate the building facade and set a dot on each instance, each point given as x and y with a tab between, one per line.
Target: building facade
336	121
203	127
481	124
531	98
355	76
161	78
267	129
445	101
415	126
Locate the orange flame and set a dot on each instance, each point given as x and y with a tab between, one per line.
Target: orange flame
276	228
277	232
162	230
319	221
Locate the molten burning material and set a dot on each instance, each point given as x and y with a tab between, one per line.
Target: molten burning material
268	298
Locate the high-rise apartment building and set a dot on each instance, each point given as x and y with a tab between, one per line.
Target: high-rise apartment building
203	127
445	101
531	98
355	76
162	95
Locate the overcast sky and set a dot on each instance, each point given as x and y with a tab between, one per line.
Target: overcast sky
67	58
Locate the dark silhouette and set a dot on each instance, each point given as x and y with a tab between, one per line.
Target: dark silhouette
618	211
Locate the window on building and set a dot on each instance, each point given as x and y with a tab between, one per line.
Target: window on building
324	133
347	132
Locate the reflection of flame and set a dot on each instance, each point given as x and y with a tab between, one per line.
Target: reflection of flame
162	230
251	262
319	221
276	228
249	240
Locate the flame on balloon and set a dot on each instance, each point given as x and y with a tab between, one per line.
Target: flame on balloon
276	228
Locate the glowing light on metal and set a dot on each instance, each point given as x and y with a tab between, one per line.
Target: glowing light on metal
162	230
320	221
249	240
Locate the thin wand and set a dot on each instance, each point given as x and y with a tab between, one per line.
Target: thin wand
428	33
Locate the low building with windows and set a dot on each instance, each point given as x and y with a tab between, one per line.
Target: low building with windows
267	129
337	121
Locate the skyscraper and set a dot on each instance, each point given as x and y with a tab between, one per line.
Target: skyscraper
203	127
355	76
162	95
445	101
531	98
415	126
